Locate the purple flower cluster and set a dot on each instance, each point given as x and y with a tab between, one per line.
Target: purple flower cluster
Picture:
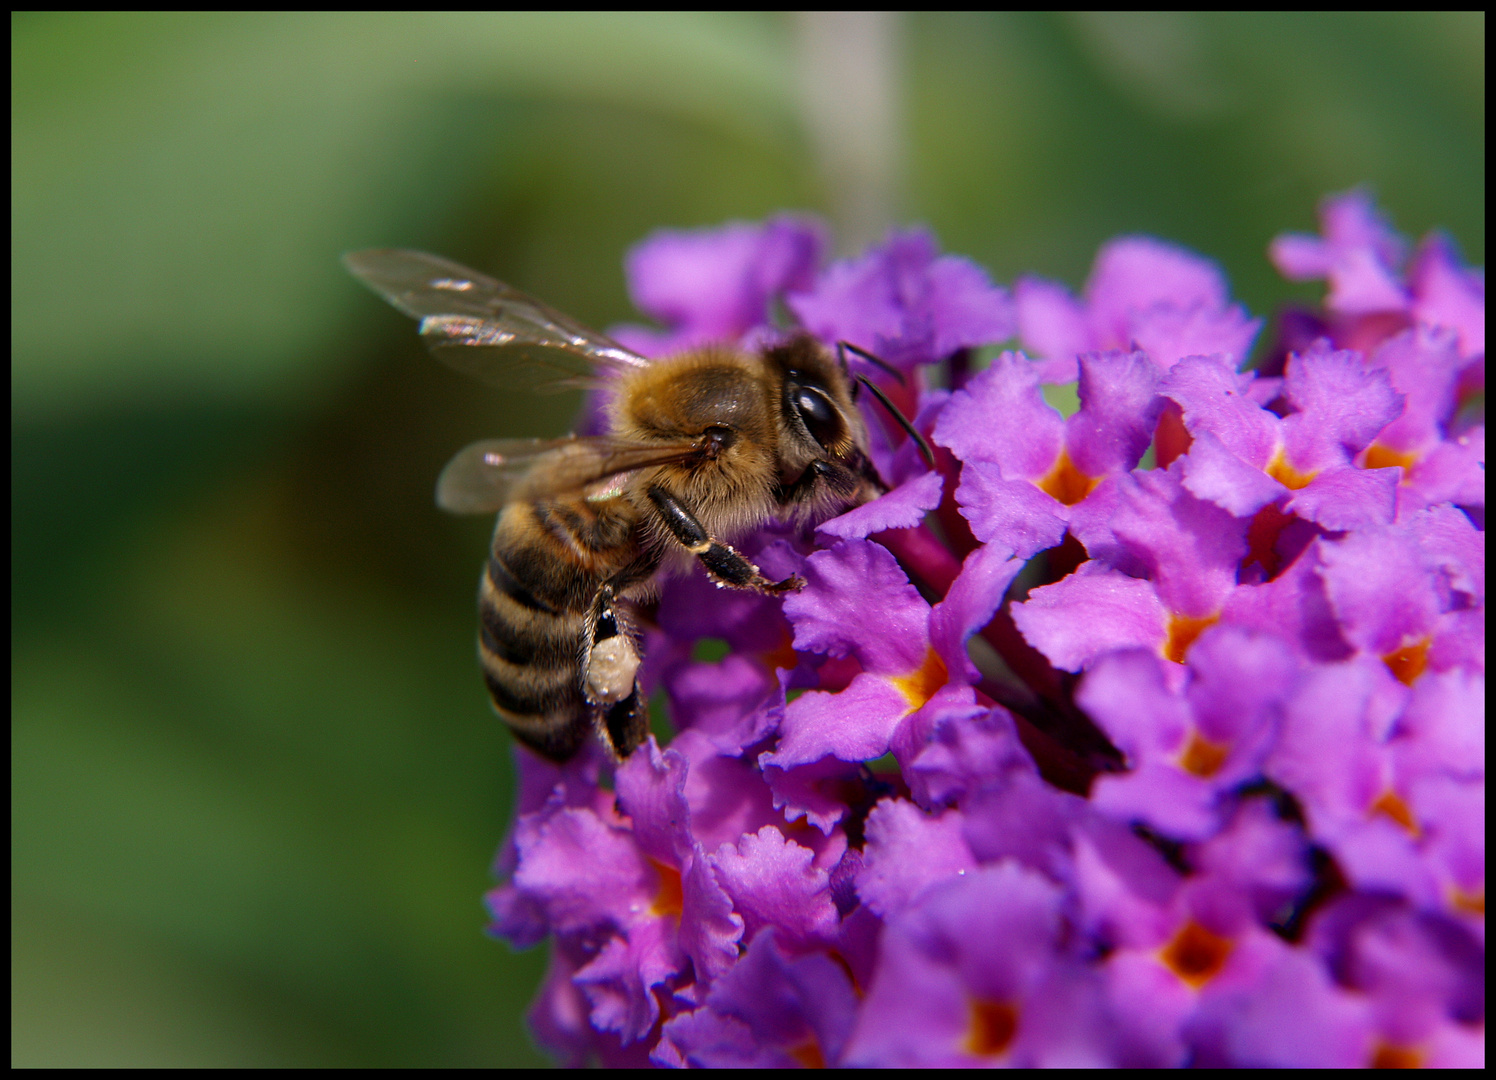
1211	792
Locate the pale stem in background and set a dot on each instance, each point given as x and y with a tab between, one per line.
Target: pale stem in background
850	78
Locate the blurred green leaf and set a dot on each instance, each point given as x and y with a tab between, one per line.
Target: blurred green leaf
183	184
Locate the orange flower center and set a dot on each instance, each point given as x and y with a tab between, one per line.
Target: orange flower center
919	685
1195	954
808	1054
1065	482
1408	662
990	1027
669	897
1183	630
1203	757
1471	903
1280	470
1390	804
1384	457
1387	1056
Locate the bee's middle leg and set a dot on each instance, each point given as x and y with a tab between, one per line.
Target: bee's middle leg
724	565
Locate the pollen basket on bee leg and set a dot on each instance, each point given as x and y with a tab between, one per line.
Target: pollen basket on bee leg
611	667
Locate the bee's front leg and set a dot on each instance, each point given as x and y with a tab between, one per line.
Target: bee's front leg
724	565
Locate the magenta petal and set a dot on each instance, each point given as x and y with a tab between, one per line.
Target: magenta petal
1135	273
1215	398
1376	854
558	1015
1380	589
1300	256
1051	326
1351	220
716	283
1294	606
1331	719
1164	797
969	605
1290	1016
1216	475
716	698
692	607
726	794
1118	408
1424	365
813	791
904	303
1342	404
1001	416
988	935
619	981
913	732
1091	612
1360	285
1012	515
766	1012
1359	255
1128	697
1258	854
1452	543
1454	471
1453	813
772	882
902	508
908	850
709	928
585	872
853	725
965	307
1168	334
1238	683
857	599
707	1039
651	791
1444	726
1191	548
515	916
1446	294
1348	498
1460	641
856	300
969	747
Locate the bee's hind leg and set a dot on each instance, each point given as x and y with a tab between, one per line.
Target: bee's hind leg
724	565
624	724
610	665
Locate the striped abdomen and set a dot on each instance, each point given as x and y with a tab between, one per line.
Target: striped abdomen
545	566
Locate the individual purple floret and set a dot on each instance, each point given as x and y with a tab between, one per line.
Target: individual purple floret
1148	735
1142	293
906	303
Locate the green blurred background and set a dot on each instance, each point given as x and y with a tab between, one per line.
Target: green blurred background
255	783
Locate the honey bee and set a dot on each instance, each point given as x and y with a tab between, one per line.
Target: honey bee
701	448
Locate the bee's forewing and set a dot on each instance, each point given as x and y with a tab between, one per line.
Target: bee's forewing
485	328
491	473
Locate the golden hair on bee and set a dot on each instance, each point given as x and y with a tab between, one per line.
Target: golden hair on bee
701	448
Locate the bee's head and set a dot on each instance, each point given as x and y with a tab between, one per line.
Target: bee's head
817	416
820	428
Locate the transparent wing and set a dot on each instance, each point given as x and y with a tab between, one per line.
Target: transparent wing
485	328
489	474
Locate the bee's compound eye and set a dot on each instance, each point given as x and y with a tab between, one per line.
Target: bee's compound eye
817	414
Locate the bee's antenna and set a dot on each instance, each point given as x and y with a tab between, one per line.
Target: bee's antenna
919	440
869	357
